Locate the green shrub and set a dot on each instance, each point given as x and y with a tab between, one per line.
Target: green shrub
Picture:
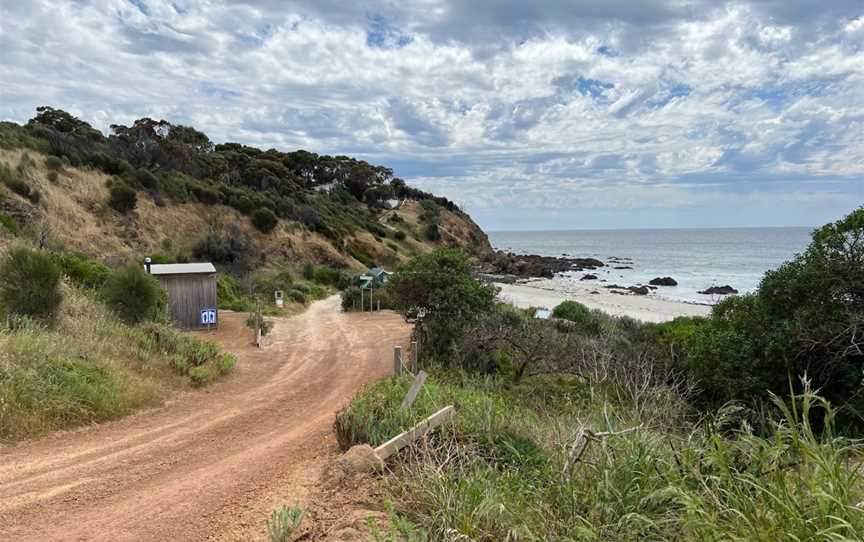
200	375
432	233
308	270
82	270
330	277
122	198
441	283
804	318
264	220
572	311
53	177
54	163
227	362
8	224
29	284
231	252
399	235
297	296
135	296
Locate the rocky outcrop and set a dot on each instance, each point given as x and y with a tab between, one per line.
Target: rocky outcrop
588	276
663	281
719	290
639	290
532	265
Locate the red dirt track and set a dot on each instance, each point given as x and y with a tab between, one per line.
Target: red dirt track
212	464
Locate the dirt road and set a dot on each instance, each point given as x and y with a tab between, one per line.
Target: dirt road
212	464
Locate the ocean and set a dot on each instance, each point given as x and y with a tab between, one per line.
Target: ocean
696	258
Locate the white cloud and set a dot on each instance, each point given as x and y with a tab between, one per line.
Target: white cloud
555	105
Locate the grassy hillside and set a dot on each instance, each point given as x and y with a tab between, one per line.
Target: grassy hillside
87	366
159	189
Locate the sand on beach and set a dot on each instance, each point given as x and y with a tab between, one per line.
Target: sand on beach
550	292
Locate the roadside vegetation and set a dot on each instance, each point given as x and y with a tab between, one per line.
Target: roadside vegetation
740	426
69	352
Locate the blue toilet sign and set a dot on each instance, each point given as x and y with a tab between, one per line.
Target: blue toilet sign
208	317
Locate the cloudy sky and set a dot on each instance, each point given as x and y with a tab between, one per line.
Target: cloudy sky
530	114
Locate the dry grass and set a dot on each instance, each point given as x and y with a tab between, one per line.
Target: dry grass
73	213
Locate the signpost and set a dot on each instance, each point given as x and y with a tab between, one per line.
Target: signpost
208	317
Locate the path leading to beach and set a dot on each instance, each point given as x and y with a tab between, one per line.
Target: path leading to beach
550	292
212	464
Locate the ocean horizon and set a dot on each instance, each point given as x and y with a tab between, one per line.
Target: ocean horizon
697	258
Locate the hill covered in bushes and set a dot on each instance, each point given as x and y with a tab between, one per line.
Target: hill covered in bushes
167	190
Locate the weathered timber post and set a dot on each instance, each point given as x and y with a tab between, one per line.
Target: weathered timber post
414	391
417	432
379	305
414	357
397	360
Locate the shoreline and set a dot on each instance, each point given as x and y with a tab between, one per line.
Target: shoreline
548	293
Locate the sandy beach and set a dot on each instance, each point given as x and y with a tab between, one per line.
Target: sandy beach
550	292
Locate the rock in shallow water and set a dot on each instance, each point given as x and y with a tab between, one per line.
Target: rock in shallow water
719	290
663	281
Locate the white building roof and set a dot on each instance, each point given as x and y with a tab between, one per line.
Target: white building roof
181	268
542	314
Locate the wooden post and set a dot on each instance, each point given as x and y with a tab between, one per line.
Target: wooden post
415	389
414	357
258	322
415	433
397	360
361	299
379	305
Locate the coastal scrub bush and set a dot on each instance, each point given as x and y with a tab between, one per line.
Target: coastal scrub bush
135	296
573	311
81	270
122	198
441	285
807	316
53	163
29	284
231	251
432	233
264	220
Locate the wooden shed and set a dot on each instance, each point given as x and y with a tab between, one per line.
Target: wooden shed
192	302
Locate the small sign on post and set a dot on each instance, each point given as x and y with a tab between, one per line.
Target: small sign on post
208	317
279	296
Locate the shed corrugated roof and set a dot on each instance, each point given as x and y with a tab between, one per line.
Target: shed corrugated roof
181	268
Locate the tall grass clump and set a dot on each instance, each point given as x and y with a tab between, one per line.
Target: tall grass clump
584	466
283	523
